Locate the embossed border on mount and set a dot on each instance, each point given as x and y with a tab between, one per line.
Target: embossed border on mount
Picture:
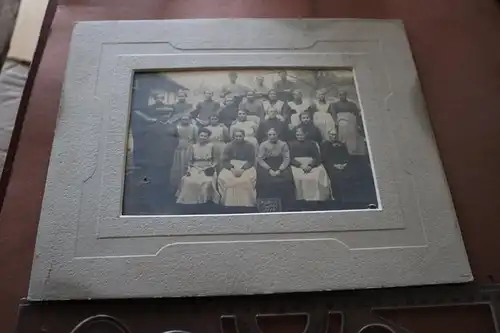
87	249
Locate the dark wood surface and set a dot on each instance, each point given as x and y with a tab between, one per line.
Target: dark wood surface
457	53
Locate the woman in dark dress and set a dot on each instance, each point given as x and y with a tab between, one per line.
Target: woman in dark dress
274	177
237	178
311	180
155	140
335	160
228	112
311	131
272	121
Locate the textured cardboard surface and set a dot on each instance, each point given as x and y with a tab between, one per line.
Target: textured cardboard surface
412	240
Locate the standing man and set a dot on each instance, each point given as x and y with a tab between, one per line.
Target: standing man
254	107
201	114
260	89
236	90
284	87
155	141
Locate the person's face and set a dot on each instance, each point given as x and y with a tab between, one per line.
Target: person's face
242	115
260	81
321	96
185	120
203	137
332	136
272	136
297	95
343	95
181	98
233	77
272	95
283	76
304	118
272	113
299	134
239	137
250	96
208	95
214	121
229	101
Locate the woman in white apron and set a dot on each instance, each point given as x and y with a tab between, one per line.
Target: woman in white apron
249	127
297	107
275	103
219	137
322	115
198	185
349	125
238	176
310	177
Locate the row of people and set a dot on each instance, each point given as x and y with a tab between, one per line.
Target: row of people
299	170
342	115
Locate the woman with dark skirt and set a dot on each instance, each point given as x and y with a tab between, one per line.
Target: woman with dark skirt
335	159
274	177
272	121
311	131
311	179
237	178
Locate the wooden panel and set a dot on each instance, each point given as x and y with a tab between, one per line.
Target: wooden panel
455	49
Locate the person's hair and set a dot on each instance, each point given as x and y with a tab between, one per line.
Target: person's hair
233	74
244	110
272	129
297	91
181	93
208	91
204	130
214	116
186	116
251	91
304	113
238	130
298	128
272	90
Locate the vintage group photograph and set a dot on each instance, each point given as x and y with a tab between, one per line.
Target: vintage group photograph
246	141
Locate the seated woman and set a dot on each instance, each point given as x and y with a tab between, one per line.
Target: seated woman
310	177
335	158
249	127
219	137
272	121
311	131
198	185
238	176
274	177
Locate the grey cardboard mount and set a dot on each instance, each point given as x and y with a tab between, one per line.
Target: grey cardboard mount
87	249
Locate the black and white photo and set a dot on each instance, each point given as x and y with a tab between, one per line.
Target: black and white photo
246	141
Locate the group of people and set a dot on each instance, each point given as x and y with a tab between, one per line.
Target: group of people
256	144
